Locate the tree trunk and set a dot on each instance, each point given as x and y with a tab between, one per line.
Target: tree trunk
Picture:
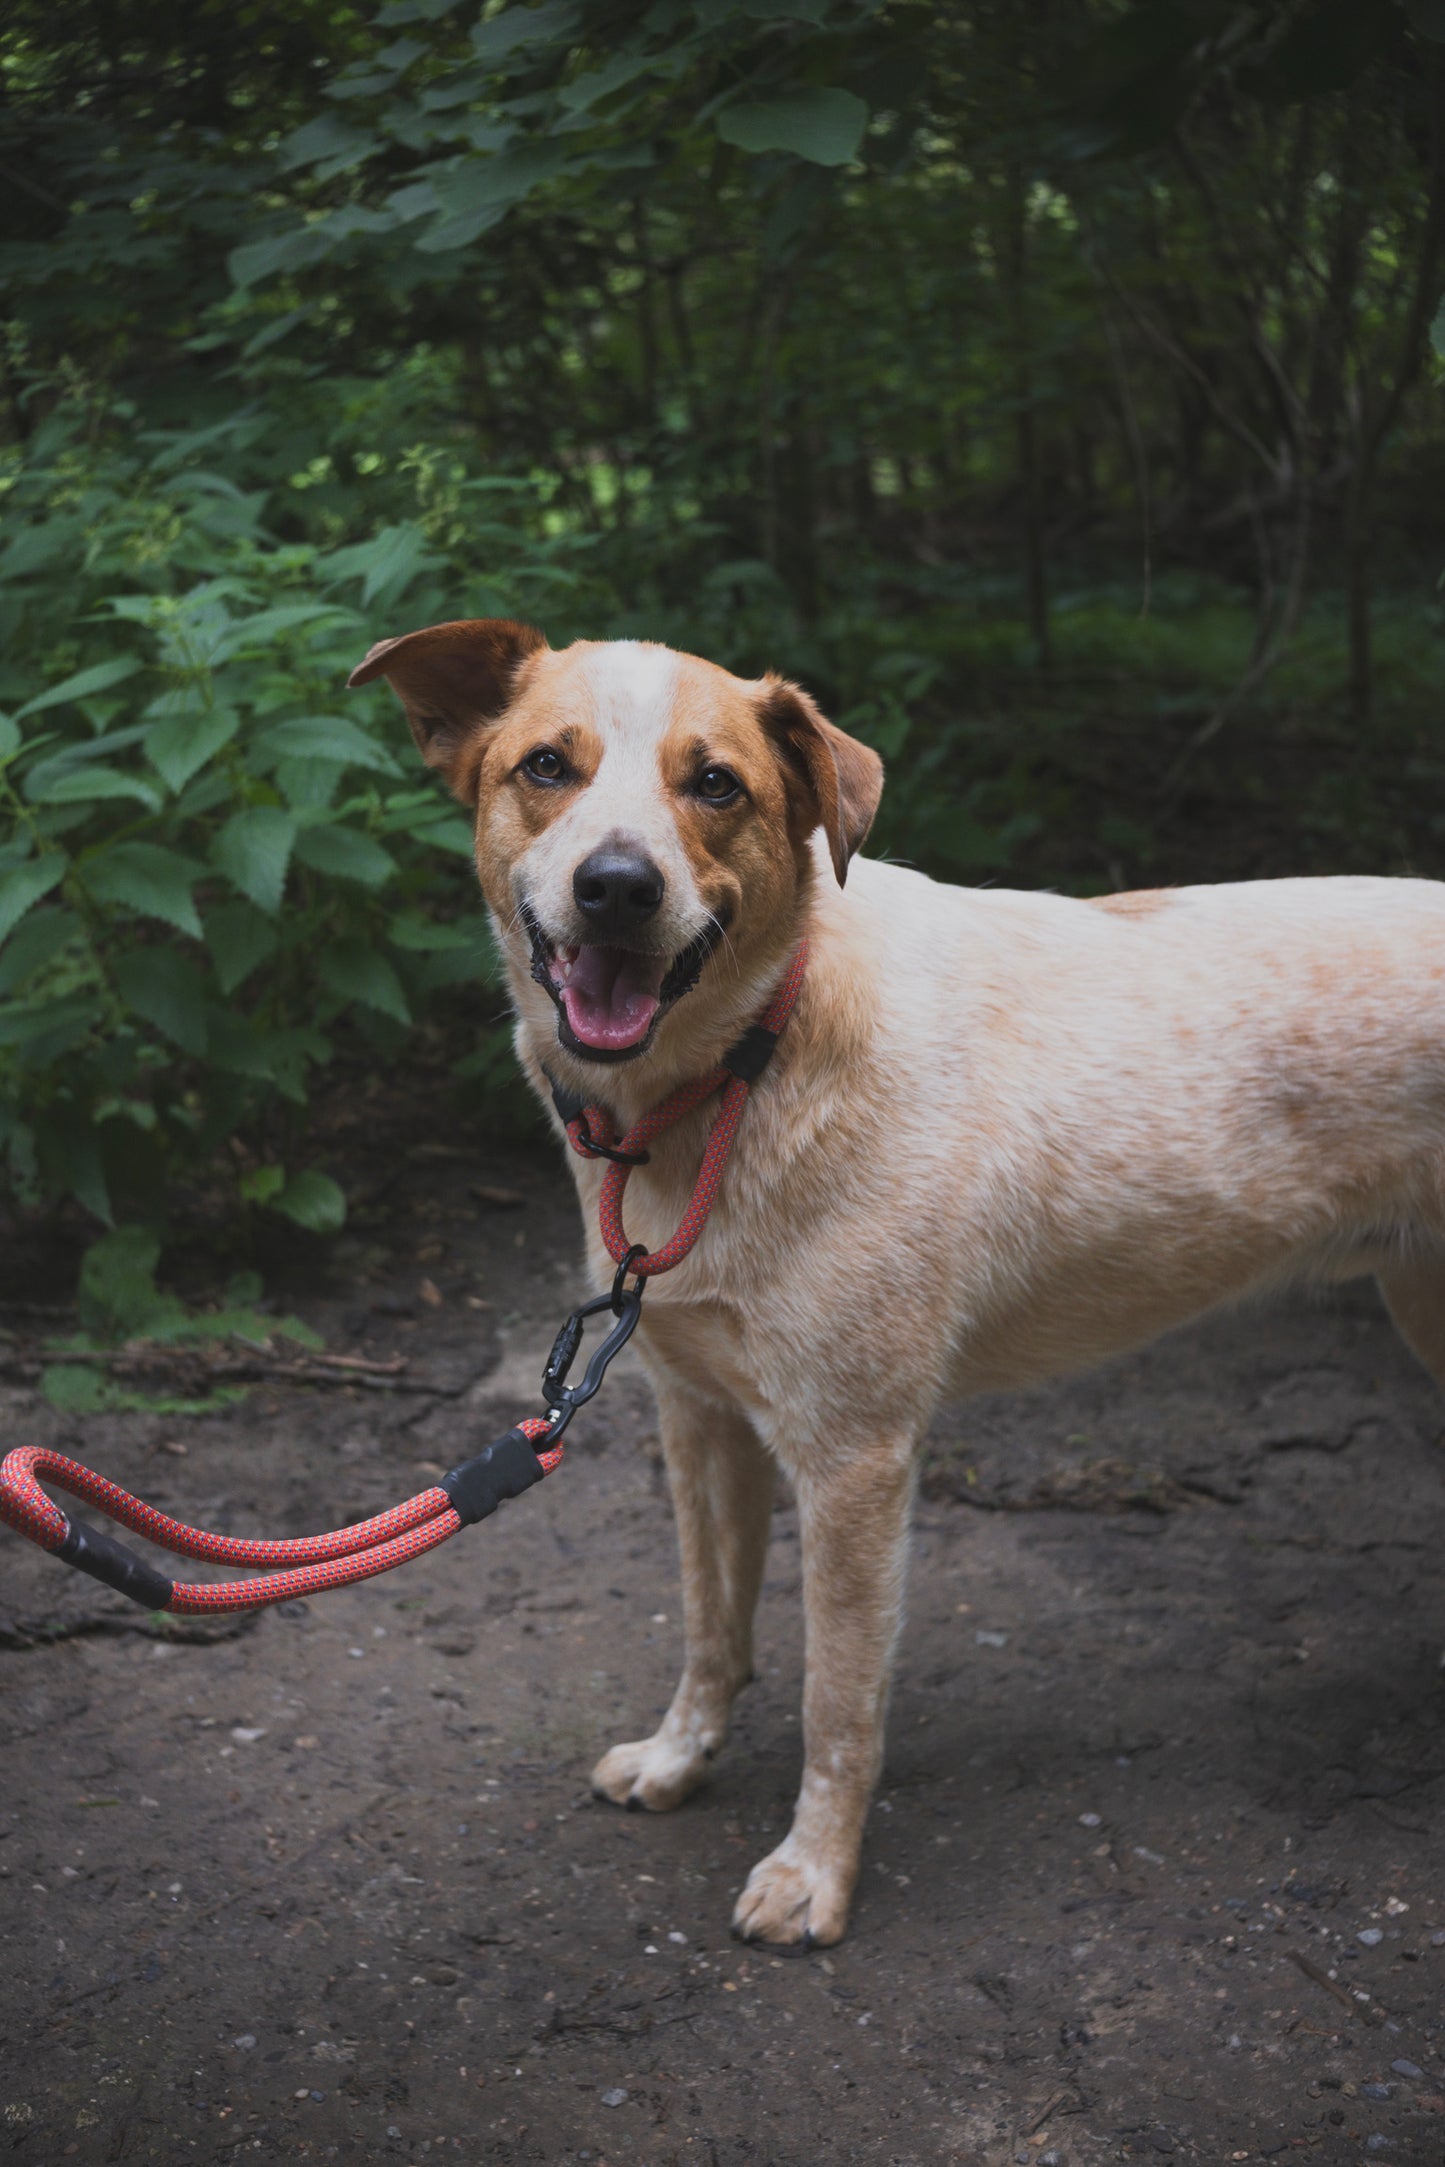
1026	422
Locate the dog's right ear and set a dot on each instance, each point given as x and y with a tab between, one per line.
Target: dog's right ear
453	680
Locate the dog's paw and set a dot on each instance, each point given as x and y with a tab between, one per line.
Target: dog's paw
793	1896
655	1772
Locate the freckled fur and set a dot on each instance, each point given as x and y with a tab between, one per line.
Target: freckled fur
1005	1136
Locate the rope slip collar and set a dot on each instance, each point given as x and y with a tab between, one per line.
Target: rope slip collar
516	1460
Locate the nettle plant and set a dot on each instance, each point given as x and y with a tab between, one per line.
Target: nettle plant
214	860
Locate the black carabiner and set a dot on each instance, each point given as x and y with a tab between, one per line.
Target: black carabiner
564	1399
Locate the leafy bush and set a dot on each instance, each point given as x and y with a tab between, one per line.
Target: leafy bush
215	860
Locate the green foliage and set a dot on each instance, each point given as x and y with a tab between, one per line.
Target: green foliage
210	875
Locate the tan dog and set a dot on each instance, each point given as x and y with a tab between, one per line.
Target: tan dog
1005	1135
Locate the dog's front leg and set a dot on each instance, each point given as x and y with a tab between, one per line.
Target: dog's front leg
722	1491
854	1518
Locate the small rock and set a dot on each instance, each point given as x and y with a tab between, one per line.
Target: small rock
431	1294
1379	2143
1402	2068
1162	2141
1091	1820
983	1638
1375	2091
616	2097
1437	1941
245	2041
244	1737
1371	1936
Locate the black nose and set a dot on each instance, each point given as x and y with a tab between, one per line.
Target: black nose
617	891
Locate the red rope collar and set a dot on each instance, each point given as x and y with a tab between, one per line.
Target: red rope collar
593	1133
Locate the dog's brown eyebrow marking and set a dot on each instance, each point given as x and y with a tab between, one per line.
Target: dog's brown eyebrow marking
1135	902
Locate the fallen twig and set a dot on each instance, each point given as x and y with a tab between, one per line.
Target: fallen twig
1367	2012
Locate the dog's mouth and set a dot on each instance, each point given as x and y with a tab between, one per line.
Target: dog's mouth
610	999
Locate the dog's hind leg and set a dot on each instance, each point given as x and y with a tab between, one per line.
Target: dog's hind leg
854	1516
722	1490
1414	1291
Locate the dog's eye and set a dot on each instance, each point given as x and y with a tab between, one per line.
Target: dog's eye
717	785
545	766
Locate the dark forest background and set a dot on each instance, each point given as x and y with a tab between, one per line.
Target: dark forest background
1050	387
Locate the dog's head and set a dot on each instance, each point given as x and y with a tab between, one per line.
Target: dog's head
636	810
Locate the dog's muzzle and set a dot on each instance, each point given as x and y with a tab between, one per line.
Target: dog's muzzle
610	997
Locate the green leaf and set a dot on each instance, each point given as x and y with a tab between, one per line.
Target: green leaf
262	1184
345	855
314	1201
585	91
117	1295
325	737
358	972
33	944
84	785
449	833
388	559
428	936
239	936
168	990
502	35
96	679
290	250
823	126
22	886
261	630
146	878
254	849
330	138
10	738
476	193
73	1388
181	744
41	1031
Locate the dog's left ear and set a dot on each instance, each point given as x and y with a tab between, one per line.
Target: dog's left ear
840	781
452	679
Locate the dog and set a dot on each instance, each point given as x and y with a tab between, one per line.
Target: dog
1004	1135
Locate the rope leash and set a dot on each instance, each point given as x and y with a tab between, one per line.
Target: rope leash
520	1457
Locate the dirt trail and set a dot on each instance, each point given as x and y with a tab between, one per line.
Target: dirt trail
1155	1870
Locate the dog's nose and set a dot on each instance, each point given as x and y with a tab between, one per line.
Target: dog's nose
617	890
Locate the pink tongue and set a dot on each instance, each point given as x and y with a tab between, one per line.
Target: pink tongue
612	996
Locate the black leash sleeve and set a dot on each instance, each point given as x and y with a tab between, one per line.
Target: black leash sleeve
505	1469
107	1560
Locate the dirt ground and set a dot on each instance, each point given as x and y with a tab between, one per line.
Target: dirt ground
1154	1871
